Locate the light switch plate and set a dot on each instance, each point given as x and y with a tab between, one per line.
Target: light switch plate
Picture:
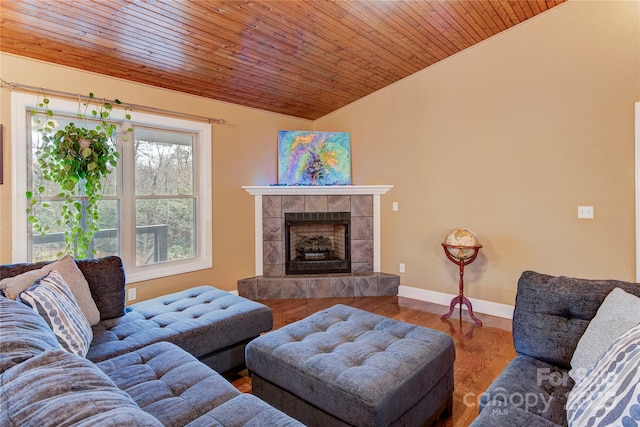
585	212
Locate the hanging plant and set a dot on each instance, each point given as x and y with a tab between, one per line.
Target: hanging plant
77	159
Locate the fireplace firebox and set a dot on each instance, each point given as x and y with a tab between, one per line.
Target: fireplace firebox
317	242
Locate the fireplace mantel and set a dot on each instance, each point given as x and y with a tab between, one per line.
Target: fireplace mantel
319	190
329	190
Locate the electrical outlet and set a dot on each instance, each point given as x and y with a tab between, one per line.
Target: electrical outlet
131	294
401	267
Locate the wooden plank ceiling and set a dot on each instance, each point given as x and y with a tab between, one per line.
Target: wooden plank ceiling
300	58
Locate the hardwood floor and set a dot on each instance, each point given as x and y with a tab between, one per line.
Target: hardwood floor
481	352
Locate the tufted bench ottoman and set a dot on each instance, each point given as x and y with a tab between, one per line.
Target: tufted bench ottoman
348	367
211	324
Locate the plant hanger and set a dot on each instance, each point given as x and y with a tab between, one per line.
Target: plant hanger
77	158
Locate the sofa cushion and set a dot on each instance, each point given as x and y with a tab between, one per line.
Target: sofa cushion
168	382
52	299
552	313
66	266
618	313
532	386
23	334
245	410
496	414
107	283
199	320
177	389
58	388
609	394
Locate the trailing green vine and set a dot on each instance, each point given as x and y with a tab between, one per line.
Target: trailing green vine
78	159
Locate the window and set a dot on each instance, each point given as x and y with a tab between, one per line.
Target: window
165	201
156	206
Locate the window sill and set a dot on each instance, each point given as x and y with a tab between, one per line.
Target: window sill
156	271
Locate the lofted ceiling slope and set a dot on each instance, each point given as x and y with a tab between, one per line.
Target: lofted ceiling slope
300	58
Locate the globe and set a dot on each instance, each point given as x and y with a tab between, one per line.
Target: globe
462	237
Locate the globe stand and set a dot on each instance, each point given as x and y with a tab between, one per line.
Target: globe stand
461	262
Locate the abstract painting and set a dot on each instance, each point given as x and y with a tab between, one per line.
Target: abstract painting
314	158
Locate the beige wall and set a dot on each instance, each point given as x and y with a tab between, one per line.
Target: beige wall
507	139
244	153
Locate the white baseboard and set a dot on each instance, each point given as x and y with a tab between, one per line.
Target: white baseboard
479	306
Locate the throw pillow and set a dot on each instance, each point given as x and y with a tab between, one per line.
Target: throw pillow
67	267
609	394
51	297
618	312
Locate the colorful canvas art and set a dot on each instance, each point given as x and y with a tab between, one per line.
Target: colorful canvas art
314	158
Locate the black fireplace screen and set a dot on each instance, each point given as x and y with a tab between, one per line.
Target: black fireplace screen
317	242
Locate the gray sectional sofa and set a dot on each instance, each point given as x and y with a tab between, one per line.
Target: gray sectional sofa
144	365
551	315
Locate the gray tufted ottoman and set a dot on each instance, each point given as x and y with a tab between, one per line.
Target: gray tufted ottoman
211	324
345	366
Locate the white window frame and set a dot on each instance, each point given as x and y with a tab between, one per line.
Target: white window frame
637	155
21	103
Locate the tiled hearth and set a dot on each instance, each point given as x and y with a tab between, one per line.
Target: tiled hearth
365	279
319	286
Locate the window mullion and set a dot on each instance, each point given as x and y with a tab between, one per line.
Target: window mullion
127	186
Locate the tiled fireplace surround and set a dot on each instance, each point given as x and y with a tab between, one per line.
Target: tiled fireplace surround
365	279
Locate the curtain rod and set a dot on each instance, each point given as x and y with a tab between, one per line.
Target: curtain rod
19	86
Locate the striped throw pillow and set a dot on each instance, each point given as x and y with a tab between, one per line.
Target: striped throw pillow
609	393
51	297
